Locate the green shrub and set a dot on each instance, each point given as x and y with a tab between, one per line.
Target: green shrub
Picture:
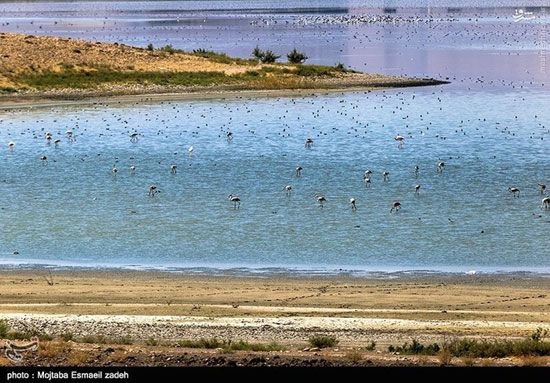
269	57
152	342
296	57
150	47
415	348
201	343
323	341
258	53
4	328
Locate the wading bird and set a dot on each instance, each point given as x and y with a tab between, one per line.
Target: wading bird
288	190
153	189
395	206
399	139
514	191
321	199
352	203
309	143
235	200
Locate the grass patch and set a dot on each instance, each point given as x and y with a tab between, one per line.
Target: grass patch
4	328
221	58
53	349
322	341
228	345
415	348
92	78
534	345
498	348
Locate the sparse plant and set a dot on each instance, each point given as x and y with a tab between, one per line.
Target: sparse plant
445	356
371	346
296	57
152	342
67	336
323	341
53	349
340	67
539	334
415	348
169	49
269	57
258	53
354	356
150	47
4	328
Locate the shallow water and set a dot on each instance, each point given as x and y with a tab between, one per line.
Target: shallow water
74	210
489	126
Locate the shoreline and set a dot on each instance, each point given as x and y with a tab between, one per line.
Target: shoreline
284	272
82	316
30	101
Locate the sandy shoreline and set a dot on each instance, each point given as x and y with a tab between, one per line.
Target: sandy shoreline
12	102
287	310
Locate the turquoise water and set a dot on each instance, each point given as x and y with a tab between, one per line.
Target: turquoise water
73	210
490	126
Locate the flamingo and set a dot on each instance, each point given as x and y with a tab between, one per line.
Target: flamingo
69	134
56	142
134	137
514	191
11	145
546	203
190	150
321	199
542	188
114	170
416	169
298	171
229	136
309	143
416	189
352	203
367	174
440	166
288	190
395	206
44	158
153	189
173	169
132	169
385	174
235	199
399	139
366	180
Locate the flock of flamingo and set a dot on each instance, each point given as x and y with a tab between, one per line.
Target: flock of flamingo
321	199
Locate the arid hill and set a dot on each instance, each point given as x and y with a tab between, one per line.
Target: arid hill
64	67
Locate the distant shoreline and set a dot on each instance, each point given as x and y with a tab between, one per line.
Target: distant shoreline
47	70
31	101
279	272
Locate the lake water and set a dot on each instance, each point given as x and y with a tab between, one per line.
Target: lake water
489	126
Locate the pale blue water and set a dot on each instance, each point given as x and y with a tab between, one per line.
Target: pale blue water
490	126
